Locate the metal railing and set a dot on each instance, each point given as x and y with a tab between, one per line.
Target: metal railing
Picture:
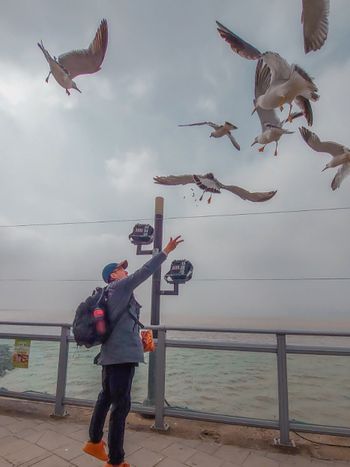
160	410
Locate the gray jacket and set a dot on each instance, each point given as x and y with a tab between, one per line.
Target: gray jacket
124	344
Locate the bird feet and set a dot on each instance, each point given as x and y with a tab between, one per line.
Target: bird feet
275	153
67	92
261	149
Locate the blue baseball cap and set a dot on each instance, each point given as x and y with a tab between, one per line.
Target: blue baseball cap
109	268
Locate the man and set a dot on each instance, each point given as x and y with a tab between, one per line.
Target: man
119	355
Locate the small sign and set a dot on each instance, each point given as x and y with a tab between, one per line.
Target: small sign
20	356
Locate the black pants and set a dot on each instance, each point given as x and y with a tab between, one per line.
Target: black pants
116	387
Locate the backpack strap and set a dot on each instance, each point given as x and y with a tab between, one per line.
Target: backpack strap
136	321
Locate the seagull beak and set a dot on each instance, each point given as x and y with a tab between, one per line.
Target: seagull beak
74	86
254	110
254	142
324	168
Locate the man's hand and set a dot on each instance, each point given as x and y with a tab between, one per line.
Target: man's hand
172	244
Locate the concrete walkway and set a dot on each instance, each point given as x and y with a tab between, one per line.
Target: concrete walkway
29	441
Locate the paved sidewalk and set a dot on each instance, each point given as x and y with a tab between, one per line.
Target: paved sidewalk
28	441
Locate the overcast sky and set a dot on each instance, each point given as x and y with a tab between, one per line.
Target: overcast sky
92	156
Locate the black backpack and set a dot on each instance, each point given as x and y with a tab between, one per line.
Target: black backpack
91	324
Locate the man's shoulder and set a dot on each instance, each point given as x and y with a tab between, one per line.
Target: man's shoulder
115	286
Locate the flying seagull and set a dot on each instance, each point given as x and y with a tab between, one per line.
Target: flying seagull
219	131
340	153
208	183
315	23
78	62
271	127
285	84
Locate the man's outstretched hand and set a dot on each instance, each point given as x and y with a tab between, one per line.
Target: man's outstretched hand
172	244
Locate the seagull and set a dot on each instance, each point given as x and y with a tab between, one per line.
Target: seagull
340	153
315	23
271	126
208	183
78	62
286	84
219	131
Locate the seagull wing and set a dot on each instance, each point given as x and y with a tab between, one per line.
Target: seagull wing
238	45
174	180
213	125
315	23
306	108
234	142
87	61
316	144
279	67
342	172
250	196
262	82
262	78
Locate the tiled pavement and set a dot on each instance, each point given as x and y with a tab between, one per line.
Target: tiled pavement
52	443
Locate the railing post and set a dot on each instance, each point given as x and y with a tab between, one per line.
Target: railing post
159	424
62	373
283	409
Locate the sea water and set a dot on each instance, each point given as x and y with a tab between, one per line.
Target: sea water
228	382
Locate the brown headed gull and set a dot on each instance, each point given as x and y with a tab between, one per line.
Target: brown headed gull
315	23
78	62
208	183
271	126
340	153
287	83
219	131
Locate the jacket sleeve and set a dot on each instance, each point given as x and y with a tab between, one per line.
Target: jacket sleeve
139	276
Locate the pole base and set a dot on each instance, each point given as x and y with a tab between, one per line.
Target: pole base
286	444
163	428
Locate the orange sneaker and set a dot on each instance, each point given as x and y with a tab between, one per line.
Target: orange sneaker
96	450
123	464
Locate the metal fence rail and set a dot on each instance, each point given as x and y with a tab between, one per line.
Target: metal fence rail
280	348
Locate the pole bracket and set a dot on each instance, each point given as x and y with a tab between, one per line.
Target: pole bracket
175	290
140	251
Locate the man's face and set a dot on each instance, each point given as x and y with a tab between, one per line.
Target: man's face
118	273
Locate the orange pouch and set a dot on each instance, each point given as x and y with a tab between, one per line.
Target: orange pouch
147	340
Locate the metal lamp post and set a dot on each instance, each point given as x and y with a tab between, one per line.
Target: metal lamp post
156	281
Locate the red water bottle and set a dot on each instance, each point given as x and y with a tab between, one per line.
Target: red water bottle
99	317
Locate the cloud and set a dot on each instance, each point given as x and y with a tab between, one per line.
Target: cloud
130	173
93	155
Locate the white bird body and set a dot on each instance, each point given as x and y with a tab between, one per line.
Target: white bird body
271	134
271	126
340	155
58	72
222	130
339	160
78	62
286	84
219	131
